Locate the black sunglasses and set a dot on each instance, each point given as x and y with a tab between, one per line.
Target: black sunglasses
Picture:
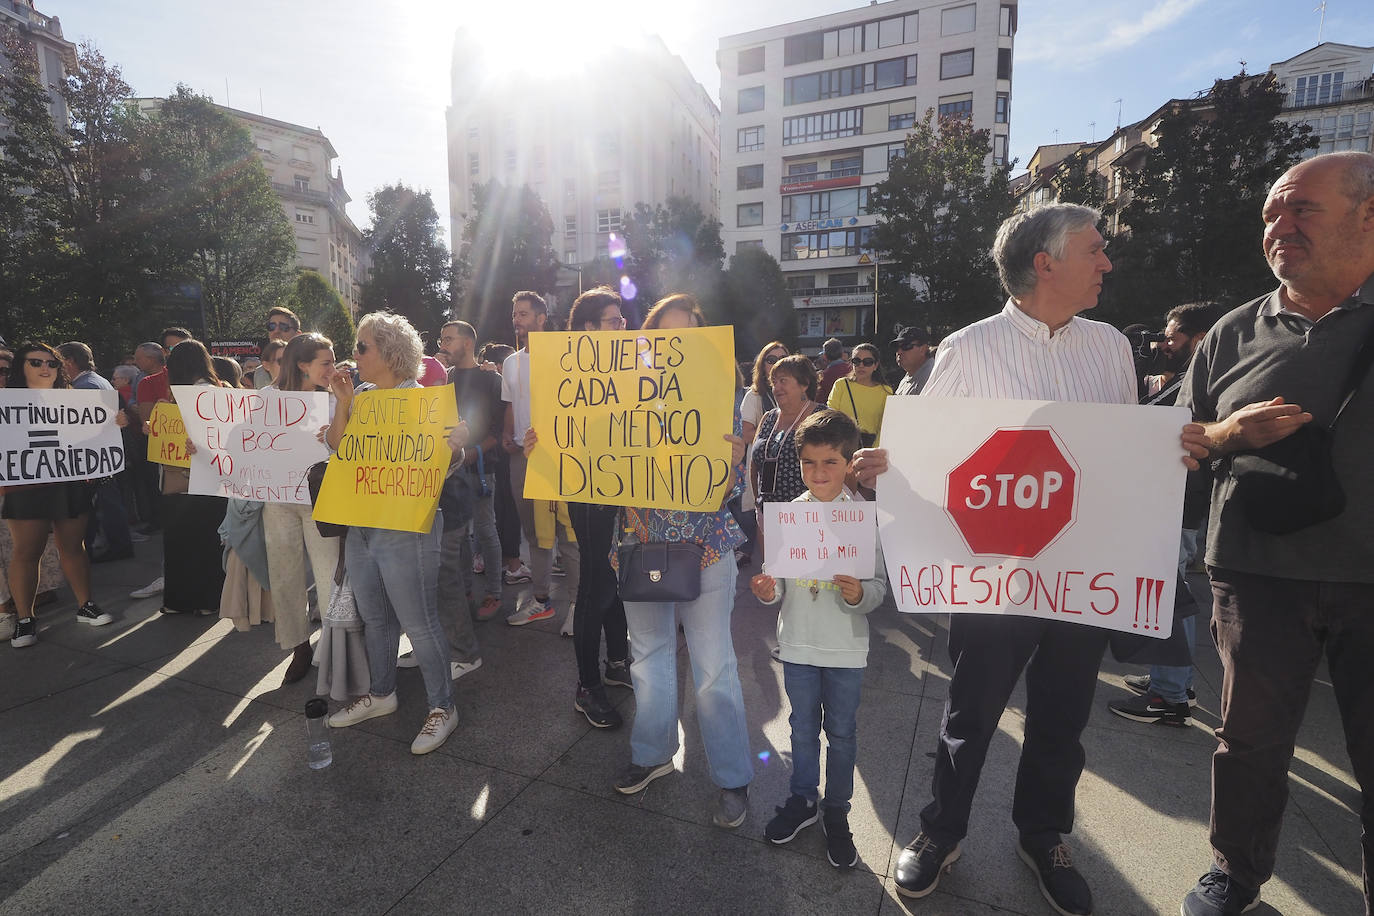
40	363
870	361
908	346
280	326
360	347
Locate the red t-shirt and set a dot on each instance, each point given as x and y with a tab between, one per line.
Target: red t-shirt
154	388
833	373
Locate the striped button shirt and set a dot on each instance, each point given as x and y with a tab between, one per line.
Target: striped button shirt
1012	355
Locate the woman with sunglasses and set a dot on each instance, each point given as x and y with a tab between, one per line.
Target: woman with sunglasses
862	394
32	511
758	400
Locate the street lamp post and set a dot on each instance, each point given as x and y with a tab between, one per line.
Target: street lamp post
573	267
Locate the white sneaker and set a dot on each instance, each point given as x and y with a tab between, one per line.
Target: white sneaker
439	724
520	575
567	628
152	588
363	708
7	622
458	669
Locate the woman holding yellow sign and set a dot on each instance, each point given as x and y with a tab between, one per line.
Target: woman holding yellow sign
394	574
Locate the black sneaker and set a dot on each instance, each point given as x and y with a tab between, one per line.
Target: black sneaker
1060	882
793	815
25	632
91	613
594	705
921	864
636	777
1152	709
839	842
617	674
1140	684
1217	894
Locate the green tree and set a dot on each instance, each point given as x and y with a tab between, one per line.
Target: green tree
1192	215
673	248
940	207
506	247
757	303
411	268
1077	183
320	308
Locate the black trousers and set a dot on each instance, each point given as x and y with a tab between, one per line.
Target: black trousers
989	652
1271	634
598	593
507	518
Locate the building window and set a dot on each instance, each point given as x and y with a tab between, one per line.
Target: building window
302	183
749	215
841	243
510	160
901	121
800	281
474	165
1120	143
1007	27
845	279
846	166
750	99
1003	113
570	225
607	181
827	125
607	143
895	151
956	64
831	84
749	138
750	61
303	216
1319	89
839	204
850	39
1341	132
608	220
999	149
1004	63
472	131
956	107
747	244
799	49
748	177
802	168
957	20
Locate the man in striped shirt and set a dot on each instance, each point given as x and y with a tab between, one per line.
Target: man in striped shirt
1051	262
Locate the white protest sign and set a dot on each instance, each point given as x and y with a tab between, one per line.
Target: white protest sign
1063	511
815	540
47	435
254	445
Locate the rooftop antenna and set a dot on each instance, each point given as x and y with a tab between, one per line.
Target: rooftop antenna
1118	114
226	92
1321	24
260	108
1092	128
1056	134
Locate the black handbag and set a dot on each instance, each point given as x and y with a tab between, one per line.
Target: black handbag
866	440
659	570
314	479
1291	484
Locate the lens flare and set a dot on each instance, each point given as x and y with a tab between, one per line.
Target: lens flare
615	247
763	756
628	290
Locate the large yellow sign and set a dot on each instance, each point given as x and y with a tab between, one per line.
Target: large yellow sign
392	460
632	418
167	436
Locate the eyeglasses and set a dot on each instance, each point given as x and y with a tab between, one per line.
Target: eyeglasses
360	348
617	322
909	346
870	361
40	363
280	326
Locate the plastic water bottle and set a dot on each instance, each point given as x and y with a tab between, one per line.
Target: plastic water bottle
321	752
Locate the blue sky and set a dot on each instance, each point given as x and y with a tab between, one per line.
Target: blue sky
375	76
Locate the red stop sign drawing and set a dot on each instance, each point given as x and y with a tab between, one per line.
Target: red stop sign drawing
1015	495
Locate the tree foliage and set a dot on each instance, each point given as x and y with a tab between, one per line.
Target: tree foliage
1193	208
756	301
320	308
674	247
940	207
506	247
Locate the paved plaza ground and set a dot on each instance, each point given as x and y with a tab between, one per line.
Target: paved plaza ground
157	765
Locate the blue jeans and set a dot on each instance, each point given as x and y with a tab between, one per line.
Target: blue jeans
484	527
395	578
720	702
1172	682
829	696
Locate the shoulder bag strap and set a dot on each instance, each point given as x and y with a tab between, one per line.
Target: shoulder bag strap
1358	370
855	407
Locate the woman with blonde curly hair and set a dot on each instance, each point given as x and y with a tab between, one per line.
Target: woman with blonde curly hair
394	574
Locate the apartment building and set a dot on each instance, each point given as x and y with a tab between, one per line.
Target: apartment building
1330	88
813	112
56	55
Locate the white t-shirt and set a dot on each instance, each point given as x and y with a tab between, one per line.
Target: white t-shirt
515	390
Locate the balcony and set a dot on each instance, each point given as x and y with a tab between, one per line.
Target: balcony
1349	92
318	197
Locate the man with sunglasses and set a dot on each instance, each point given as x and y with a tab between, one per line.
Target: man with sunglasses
282	324
913	355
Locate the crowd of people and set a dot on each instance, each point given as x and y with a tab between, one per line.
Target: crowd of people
808	430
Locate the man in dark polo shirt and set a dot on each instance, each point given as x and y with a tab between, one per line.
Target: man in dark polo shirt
1282	602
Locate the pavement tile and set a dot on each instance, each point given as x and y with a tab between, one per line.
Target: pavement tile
27	675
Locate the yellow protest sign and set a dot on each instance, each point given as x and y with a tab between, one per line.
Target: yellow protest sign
392	460
167	436
632	418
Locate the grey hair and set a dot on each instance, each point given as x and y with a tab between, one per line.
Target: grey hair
128	372
155	350
1357	174
1022	236
398	343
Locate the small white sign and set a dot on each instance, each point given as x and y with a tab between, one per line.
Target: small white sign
815	540
253	445
1064	511
47	435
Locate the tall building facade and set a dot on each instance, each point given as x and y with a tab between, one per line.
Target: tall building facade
56	55
814	111
1330	88
623	127
300	164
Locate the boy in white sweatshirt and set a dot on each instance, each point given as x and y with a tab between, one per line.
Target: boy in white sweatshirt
823	645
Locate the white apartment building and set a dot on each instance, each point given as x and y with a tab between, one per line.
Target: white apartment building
1330	88
629	125
300	164
56	55
813	111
